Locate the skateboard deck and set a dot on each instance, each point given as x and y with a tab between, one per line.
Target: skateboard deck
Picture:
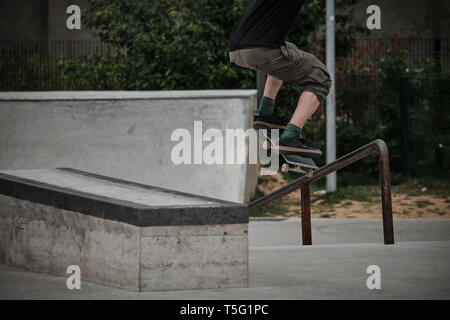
298	164
293	162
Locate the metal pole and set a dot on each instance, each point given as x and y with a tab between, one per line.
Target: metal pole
260	84
386	198
306	214
404	126
331	98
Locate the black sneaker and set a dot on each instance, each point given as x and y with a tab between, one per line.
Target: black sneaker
272	121
298	146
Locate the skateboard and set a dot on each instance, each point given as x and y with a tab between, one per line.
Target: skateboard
292	162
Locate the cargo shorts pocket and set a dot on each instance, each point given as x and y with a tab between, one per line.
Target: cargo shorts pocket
299	60
319	74
262	56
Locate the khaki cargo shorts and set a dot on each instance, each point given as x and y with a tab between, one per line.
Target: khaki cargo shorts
287	63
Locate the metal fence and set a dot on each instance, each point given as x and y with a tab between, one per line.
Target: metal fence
51	49
35	65
411	105
418	52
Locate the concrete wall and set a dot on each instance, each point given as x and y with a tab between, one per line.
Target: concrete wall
194	257
45	239
126	135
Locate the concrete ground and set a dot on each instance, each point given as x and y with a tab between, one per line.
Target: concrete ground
416	267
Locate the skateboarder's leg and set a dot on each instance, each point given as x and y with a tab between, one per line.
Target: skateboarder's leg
254	58
288	64
265	117
305	70
271	88
306	107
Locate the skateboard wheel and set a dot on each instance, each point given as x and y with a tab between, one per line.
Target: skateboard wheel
266	145
285	167
309	173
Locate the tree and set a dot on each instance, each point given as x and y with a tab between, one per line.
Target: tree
182	44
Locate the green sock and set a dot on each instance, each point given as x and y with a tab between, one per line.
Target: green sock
266	106
290	132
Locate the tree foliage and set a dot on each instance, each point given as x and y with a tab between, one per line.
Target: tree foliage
182	44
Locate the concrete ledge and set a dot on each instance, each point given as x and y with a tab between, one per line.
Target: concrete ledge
120	233
127	135
64	189
124	95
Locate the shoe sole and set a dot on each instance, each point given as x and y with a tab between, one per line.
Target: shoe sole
266	125
299	151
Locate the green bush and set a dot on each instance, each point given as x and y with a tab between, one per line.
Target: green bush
171	44
369	108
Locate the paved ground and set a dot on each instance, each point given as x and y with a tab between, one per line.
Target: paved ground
416	267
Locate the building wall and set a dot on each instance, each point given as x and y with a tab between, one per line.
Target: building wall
40	20
420	18
23	20
57	29
46	19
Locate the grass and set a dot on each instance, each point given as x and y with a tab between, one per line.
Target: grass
275	208
423	203
363	193
347	192
434	186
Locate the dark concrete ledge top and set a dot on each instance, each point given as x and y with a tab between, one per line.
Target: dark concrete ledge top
118	200
124	95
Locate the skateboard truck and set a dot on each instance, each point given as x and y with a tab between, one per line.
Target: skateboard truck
294	163
285	167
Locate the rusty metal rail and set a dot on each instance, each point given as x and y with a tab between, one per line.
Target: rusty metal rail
304	184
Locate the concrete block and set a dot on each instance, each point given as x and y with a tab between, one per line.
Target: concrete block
120	233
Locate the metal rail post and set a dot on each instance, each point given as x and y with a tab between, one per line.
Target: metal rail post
260	84
304	183
306	214
386	198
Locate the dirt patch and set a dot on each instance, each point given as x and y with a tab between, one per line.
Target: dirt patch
274	182
403	205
